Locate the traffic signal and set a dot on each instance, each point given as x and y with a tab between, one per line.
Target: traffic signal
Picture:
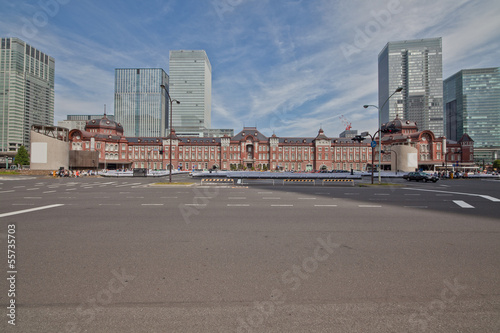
358	138
390	129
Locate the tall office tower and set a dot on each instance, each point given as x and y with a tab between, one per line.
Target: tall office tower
191	84
472	106
417	66
140	101
26	92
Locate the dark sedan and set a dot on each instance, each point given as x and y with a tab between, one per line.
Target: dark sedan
418	176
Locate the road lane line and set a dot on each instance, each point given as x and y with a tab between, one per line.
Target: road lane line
8	191
151	204
306	198
463	204
271	198
32	197
490	198
325	205
236	198
487	197
369	206
238	205
281	205
49	192
195	204
30	210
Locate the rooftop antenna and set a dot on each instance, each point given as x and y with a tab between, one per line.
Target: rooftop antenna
104	110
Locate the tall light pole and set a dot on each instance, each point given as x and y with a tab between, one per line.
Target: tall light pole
170	136
380	128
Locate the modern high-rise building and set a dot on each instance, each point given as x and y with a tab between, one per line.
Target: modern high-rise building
417	66
26	92
140	102
191	84
472	106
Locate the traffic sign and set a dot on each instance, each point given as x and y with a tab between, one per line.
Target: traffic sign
373	144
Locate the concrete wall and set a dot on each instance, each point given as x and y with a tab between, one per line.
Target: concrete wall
407	158
48	153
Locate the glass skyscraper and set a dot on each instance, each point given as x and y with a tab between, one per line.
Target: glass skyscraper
140	102
26	92
472	106
191	84
417	66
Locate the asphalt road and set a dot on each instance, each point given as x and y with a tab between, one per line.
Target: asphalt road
119	255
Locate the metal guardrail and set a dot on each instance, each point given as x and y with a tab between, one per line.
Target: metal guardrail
337	181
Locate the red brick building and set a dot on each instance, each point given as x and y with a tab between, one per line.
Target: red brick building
250	149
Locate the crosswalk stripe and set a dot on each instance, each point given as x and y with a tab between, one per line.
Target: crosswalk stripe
462	204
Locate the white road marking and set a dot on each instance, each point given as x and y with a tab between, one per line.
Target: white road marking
415	207
133	184
32	189
487	197
195	204
30	210
306	198
325	205
281	205
169	197
32	197
369	206
463	204
19	186
381	194
271	198
237	198
8	191
151	204
49	191
110	204
490	198
238	205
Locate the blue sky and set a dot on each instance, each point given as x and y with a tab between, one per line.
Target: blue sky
285	66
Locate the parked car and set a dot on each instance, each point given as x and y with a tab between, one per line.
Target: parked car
418	176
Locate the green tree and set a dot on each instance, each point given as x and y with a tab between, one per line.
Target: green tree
22	157
496	164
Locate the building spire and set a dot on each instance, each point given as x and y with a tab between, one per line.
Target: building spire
105	111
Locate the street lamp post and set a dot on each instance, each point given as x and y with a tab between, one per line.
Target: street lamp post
380	128
170	136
